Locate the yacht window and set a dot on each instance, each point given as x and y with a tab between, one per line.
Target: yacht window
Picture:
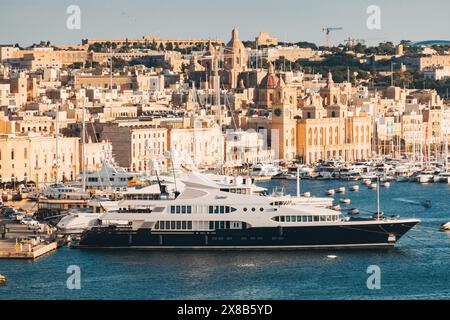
183	209
178	225
276	218
293	218
222	224
253	209
216	224
310	219
216	209
178	209
227	224
157	225
167	225
299	218
329	218
245	209
211	225
189	225
189	209
172	209
222	209
211	209
227	209
282	219
288	219
323	218
172	225
316	218
261	209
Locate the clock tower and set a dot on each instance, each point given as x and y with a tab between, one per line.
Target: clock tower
283	130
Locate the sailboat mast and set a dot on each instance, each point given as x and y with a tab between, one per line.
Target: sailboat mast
83	140
446	151
218	106
194	120
111	72
57	142
378	197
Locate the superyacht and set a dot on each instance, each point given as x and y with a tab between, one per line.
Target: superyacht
194	213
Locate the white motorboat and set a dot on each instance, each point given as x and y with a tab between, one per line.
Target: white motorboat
443	177
264	171
77	221
340	190
425	177
445	227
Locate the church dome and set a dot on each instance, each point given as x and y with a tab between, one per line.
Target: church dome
235	43
271	80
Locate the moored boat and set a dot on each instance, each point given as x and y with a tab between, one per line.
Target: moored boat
198	215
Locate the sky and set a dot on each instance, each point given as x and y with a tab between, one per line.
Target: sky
30	21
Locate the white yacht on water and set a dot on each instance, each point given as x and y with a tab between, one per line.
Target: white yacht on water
263	171
79	220
197	214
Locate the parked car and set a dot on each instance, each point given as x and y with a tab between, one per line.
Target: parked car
27	221
19	217
34	225
4	209
9	212
17	197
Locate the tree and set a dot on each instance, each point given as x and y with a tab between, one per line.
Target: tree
118	63
169	46
76	65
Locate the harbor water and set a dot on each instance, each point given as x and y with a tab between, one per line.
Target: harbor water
417	268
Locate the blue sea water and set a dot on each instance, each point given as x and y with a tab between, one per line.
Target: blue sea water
418	268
